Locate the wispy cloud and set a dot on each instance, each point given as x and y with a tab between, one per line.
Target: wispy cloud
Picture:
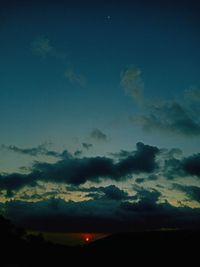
87	146
164	115
193	192
36	151
75	78
132	83
193	94
98	135
43	47
168	116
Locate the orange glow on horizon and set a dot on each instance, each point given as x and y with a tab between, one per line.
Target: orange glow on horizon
87	237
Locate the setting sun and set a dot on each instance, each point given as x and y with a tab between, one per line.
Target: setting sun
88	237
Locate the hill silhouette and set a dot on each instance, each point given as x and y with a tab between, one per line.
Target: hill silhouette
157	247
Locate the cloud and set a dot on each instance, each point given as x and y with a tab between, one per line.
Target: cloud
192	94
16	181
75	78
78	153
42	47
153	215
103	214
110	192
87	146
191	165
165	115
122	154
169	117
59	215
170	164
151	177
146	195
142	161
76	171
173	153
181	167
36	151
98	135
140	180
132	83
114	193
103	208
193	192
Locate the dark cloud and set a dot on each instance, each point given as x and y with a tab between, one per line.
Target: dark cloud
193	192
87	146
110	192
152	177
103	214
65	155
160	186
151	215
182	167
122	154
39	197
169	117
78	153
172	168
142	161
191	165
113	192
98	135
35	151
140	180
172	153
16	181
147	196
76	171
54	213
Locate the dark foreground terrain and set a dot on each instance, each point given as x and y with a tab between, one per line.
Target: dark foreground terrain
160	248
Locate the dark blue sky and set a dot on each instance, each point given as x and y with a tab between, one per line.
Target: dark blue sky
94	78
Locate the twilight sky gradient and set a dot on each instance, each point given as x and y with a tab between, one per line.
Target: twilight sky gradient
99	110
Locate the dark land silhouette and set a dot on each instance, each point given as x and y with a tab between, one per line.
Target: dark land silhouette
155	247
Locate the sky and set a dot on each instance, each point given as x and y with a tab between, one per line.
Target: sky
99	111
